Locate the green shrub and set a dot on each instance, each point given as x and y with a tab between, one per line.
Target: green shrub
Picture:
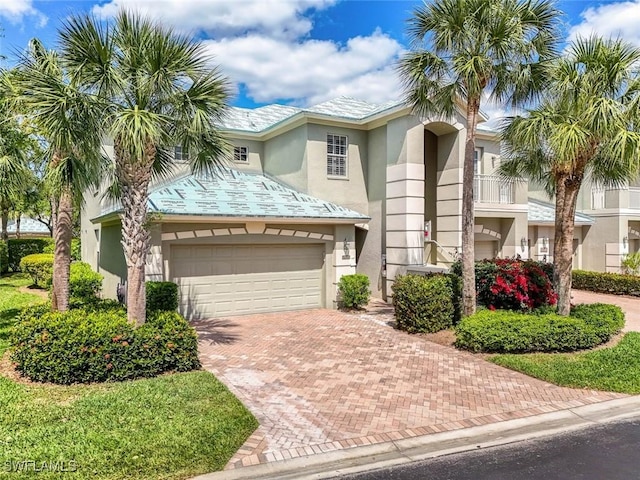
614	283
98	345
162	296
631	264
514	332
423	304
39	266
76	252
21	247
354	290
84	284
4	257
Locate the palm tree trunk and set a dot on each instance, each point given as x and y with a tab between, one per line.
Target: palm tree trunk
134	177
468	220
4	214
566	199
63	232
18	220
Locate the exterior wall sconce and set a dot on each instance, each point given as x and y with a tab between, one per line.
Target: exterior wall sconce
345	248
524	243
625	241
545	242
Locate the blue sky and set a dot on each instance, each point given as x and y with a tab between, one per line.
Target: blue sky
298	52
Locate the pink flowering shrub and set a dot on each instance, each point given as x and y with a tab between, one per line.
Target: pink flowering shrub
513	284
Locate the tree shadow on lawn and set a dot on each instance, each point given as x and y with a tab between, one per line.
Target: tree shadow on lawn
7	319
216	331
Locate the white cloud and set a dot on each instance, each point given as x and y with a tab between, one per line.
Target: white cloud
266	47
220	18
610	20
313	70
16	10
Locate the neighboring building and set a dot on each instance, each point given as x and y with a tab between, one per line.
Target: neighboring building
29	227
312	194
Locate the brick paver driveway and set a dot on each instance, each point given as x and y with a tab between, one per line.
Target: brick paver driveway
323	380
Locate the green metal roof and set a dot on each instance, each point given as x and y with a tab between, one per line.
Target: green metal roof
543	212
231	193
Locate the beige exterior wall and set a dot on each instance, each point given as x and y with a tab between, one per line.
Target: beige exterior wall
255	155
285	158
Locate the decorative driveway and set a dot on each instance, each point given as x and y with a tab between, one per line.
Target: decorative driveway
322	380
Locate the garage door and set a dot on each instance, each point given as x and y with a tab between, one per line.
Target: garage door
218	280
485	250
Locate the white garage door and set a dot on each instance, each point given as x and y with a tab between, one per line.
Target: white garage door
218	280
485	250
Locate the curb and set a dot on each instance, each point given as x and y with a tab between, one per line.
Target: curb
388	454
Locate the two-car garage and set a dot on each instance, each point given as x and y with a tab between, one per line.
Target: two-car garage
218	280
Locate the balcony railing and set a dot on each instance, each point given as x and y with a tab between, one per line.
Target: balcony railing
599	198
493	189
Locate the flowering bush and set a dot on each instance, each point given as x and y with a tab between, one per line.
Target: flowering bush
513	284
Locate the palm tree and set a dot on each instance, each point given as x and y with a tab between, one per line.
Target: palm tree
68	120
160	91
587	125
14	173
463	51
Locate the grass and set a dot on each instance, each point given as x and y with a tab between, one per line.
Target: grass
169	427
615	369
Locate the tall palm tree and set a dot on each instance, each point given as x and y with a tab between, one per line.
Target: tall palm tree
587	126
14	173
160	91
463	51
69	122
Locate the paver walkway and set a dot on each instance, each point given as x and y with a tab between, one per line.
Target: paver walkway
324	380
630	305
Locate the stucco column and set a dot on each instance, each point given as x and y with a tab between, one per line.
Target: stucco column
154	270
449	194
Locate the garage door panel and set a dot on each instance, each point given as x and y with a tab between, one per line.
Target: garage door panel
239	279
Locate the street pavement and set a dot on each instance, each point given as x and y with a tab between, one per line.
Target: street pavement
602	452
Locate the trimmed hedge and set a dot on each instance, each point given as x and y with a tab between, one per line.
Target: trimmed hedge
503	331
98	345
162	296
4	257
21	247
354	290
613	283
39	266
423	304
75	249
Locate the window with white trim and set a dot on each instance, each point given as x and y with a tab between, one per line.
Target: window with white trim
337	155
180	154
241	154
477	159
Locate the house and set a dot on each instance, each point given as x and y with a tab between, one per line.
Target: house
27	227
310	195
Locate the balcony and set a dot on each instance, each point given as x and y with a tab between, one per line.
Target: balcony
614	198
493	189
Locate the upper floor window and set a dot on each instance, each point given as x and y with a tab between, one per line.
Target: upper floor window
477	160
337	155
180	154
240	154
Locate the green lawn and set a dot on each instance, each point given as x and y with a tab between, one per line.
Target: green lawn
615	369
173	426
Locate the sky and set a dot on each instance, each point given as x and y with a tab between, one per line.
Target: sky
295	52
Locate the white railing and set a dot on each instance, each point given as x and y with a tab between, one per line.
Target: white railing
598	198
634	197
493	189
